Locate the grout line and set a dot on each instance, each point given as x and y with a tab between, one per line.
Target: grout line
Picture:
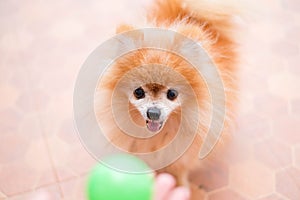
44	136
246	196
281	196
45	185
265	195
31	190
218	190
51	159
72	178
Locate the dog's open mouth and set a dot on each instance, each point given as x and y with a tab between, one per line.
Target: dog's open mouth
154	125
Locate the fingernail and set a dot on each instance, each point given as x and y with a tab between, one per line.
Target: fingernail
167	179
186	193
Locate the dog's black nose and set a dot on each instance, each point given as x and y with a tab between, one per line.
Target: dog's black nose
153	113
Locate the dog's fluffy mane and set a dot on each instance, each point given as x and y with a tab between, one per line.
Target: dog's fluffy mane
207	22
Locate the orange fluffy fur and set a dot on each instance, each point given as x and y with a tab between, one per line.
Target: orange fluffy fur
201	21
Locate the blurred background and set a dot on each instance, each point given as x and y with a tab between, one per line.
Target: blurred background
42	47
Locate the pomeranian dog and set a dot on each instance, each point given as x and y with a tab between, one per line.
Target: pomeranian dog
162	93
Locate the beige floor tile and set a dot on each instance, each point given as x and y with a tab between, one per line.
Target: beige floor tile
288	183
226	194
251	179
45	193
273	153
271	197
74	188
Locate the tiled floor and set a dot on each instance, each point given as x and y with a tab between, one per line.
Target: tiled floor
42	46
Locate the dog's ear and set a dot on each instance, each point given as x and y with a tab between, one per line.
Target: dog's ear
130	36
124	28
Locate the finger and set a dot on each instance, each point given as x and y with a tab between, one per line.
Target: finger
179	193
163	185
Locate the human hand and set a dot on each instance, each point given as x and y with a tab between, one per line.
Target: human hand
165	189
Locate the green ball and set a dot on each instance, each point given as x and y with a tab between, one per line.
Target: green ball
122	183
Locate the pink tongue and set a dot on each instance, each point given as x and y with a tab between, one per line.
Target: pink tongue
153	126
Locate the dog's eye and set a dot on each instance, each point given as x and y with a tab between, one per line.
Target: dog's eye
172	94
139	93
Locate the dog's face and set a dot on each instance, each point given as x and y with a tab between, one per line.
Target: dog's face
156	91
155	102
